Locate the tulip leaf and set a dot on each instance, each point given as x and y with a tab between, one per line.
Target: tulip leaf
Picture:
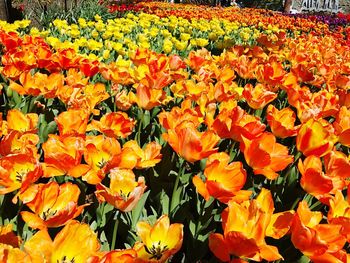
303	259
146	118
104	241
137	211
17	99
164	199
102	211
192	225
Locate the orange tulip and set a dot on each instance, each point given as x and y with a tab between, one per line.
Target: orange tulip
118	73
298	95
317	241
169	120
245	227
67	58
62	154
342	126
123	100
191	144
157	78
76	242
265	156
124	192
18	143
302	73
120	256
83	98
72	122
160	242
88	67
271	73
196	59
53	205
18	171
147	98
314	139
314	181
223	91
18	121
99	151
76	79
245	67
147	157
259	96
3	126
8	237
321	105
339	213
12	254
114	124
177	68
223	181
337	164
10	40
235	123
39	84
281	121
10	246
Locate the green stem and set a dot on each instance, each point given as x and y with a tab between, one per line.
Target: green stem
2	206
180	173
115	230
201	212
296	203
173	201
140	128
114	104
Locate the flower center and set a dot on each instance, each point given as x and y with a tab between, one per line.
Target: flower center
156	250
101	163
47	214
66	260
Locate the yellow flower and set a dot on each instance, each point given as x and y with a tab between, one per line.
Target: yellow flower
94	45
118	35
82	22
34	31
100	26
74	33
107	35
212	36
53	41
166	33
181	45
202	42
76	242
167	46
185	36
117	46
145	44
22	23
94	34
106	54
160	241
154	32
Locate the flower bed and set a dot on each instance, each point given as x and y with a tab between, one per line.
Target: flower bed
114	150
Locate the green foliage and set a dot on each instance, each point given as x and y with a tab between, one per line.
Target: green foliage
42	13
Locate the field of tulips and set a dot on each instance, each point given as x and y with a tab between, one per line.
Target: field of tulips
175	133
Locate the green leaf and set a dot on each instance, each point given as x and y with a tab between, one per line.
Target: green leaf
137	211
165	201
303	259
192	226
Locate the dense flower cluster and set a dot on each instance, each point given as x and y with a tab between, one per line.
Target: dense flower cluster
247	149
